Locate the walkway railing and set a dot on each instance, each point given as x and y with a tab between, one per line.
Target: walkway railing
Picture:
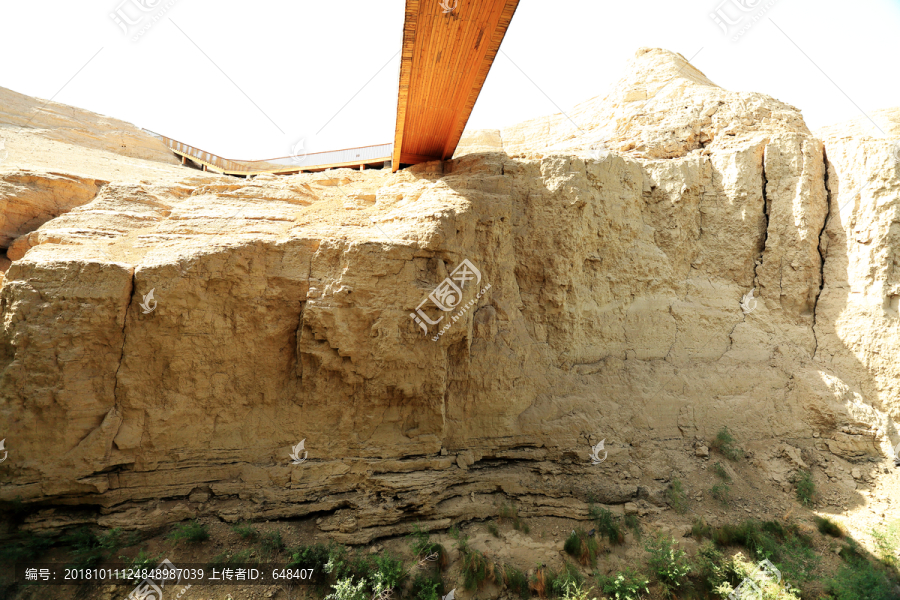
377	155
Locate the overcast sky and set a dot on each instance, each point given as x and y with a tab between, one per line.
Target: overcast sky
246	80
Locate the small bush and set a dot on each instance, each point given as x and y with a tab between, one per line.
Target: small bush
493	529
887	542
516	581
677	497
806	488
607	525
345	589
388	571
710	567
89	549
738	569
570	575
721	492
542	581
634	524
474	569
245	531
668	564
193	531
859	580
720	471
314	556
427	587
828	527
512	513
424	549
270	544
26	547
626	585
583	547
701	529
574	591
141	561
724	444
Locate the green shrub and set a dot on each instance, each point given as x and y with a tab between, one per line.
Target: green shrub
314	556
512	513
474	569
516	581
245	531
677	497
583	547
859	580
738	568
828	527
700	529
270	544
634	524
721	492
25	547
607	524
88	549
625	585
493	529
423	548
806	488
193	531
887	541
543	580
786	546
388	570
574	591
570	575
710	567
719	470
668	564
427	587
345	589
724	444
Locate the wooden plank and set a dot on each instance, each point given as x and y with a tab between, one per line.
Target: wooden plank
444	63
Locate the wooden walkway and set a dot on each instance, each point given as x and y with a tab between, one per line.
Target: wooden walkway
448	49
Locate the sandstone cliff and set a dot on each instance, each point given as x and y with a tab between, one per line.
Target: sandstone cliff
617	251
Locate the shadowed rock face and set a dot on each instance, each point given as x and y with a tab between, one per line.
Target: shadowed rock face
607	306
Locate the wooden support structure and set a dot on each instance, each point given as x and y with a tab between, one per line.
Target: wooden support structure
444	62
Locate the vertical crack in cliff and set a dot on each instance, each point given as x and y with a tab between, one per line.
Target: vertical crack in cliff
822	251
122	353
765	238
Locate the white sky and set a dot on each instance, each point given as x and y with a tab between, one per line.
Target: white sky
286	69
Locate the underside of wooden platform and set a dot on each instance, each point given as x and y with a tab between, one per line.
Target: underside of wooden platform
445	60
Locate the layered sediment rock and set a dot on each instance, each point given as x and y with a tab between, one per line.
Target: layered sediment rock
607	304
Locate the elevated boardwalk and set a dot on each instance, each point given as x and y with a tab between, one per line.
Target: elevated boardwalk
448	49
